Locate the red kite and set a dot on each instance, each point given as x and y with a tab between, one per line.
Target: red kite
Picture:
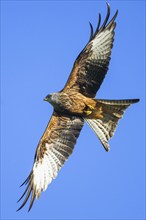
73	105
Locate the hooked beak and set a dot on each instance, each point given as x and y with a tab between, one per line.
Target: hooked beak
47	98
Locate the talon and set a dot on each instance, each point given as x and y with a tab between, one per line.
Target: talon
88	112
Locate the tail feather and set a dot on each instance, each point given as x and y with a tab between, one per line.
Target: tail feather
118	102
112	111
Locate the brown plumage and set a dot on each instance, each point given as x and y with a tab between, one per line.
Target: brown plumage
75	104
55	146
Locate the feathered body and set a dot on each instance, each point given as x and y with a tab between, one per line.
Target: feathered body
73	105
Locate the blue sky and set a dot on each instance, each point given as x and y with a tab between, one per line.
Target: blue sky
40	41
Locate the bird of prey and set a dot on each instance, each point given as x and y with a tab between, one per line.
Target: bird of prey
73	105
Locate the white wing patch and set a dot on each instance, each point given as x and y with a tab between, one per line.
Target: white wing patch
102	44
46	169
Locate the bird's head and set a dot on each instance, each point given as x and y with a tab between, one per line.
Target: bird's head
52	98
47	98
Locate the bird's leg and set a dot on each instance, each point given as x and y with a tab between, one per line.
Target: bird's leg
94	112
88	110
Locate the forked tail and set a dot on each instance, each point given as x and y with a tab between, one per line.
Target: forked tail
111	111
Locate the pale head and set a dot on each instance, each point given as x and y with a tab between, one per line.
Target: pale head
52	98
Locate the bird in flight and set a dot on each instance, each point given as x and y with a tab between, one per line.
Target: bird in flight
73	105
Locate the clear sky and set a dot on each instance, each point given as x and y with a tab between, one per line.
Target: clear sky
40	41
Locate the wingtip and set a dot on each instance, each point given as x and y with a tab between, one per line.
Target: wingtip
98	28
29	209
108	5
117	11
136	100
91	31
106	146
91	27
108	8
18	209
107	149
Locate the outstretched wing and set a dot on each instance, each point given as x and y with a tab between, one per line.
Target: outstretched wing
92	63
53	150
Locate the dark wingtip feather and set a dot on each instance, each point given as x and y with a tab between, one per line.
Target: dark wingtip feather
91	31
113	19
27	180
26	199
98	25
27	192
108	5
32	200
105	24
135	100
106	18
23	194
